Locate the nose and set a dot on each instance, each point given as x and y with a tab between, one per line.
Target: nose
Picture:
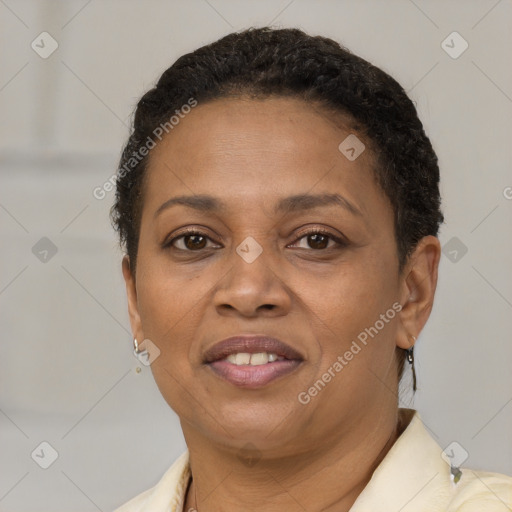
253	288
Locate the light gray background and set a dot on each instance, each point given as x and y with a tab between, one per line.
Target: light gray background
67	372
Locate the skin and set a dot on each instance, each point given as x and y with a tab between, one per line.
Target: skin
250	154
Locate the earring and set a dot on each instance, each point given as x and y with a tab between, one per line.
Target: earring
139	354
410	359
410	355
143	354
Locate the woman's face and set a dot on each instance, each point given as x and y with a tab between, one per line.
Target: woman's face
257	265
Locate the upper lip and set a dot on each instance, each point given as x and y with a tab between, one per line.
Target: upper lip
250	344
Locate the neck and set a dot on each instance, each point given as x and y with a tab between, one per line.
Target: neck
328	479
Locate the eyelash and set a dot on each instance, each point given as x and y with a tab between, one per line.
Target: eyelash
317	231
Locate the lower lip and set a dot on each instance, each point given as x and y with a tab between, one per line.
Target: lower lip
247	376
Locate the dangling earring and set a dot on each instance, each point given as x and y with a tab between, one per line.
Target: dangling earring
410	359
410	355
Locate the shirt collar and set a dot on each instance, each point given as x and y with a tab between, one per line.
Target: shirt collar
411	477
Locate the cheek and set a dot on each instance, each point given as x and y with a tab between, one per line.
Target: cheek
170	308
170	311
347	323
352	301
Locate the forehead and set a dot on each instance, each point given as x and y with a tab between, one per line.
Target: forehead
240	127
258	151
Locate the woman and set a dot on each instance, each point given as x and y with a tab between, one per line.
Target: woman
278	201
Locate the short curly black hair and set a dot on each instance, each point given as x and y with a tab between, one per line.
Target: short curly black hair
264	62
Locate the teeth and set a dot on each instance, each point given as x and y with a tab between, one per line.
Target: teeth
260	358
244	358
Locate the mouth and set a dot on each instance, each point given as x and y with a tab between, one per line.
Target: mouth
252	361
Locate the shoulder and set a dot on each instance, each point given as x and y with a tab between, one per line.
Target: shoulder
414	476
480	490
170	490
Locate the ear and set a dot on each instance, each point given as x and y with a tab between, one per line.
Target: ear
131	293
418	287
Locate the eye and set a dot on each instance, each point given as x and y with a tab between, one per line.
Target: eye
194	241
319	239
191	241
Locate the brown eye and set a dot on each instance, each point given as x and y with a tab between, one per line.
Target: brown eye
318	241
194	241
191	241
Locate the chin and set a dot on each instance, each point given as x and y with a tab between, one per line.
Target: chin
240	422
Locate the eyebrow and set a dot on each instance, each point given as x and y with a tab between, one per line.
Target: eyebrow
299	202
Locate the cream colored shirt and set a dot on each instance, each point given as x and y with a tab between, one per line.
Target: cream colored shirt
412	477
